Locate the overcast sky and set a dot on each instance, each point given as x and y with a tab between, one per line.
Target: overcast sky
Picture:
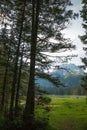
73	31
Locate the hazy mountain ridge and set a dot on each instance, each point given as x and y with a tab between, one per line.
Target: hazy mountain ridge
69	74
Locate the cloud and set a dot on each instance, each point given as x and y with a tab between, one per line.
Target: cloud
73	31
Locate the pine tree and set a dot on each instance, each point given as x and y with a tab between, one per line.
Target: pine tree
5	56
84	41
18	84
22	11
29	108
49	18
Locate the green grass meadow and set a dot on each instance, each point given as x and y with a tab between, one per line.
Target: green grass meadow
68	113
64	113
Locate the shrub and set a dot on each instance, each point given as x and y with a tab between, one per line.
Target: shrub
41	123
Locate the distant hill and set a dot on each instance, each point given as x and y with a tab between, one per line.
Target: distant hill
69	74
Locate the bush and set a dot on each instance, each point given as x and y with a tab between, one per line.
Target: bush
41	123
43	100
11	125
42	118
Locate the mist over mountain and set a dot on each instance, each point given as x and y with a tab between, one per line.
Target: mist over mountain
69	74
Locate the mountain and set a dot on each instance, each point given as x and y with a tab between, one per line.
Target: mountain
68	69
69	74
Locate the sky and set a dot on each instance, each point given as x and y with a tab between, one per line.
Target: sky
73	31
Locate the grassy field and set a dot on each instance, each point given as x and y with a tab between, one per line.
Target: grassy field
68	113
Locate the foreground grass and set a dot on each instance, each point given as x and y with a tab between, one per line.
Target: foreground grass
68	113
64	113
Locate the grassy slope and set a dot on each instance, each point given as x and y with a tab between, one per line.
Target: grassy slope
68	113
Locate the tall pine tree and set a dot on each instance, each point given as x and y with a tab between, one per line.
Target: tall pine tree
84	41
49	18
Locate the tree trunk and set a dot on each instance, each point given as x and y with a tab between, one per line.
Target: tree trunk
4	84
18	87
29	107
16	66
